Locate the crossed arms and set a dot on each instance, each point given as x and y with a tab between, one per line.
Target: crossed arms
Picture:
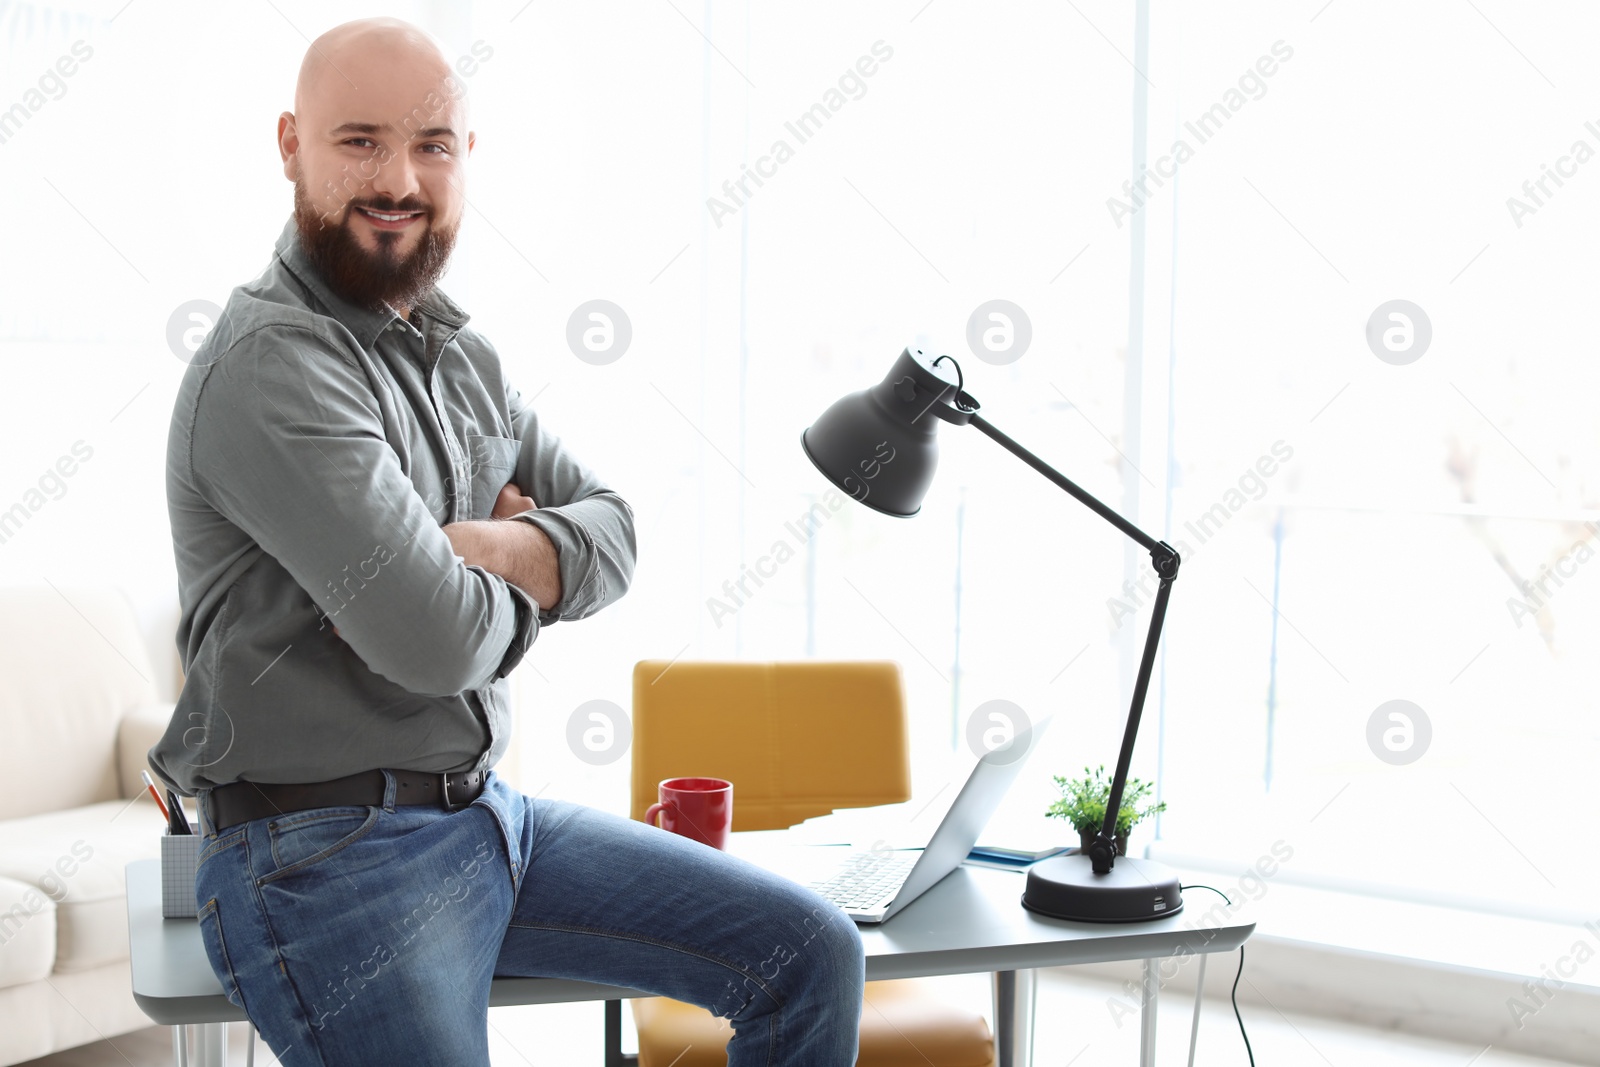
519	552
288	445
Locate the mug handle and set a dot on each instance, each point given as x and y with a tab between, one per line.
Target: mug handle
650	814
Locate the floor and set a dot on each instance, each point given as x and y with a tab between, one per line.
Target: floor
1082	1022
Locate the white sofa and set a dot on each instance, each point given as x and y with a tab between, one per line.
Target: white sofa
78	712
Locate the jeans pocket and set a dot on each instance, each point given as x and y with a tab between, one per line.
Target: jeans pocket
303	839
217	951
216	843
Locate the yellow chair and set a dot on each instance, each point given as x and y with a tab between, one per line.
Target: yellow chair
796	739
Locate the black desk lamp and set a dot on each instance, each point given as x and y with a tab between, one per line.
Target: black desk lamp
879	446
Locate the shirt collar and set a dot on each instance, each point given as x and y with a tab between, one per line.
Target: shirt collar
365	323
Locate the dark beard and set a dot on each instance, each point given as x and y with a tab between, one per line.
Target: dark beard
372	279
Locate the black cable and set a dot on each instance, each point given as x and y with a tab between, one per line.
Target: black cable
1236	1015
961	383
1213	888
1248	1051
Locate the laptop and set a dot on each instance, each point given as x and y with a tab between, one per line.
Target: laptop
870	885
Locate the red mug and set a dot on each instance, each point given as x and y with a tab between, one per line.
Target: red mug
700	809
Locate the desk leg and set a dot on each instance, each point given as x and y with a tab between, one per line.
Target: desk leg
1014	994
614	1056
1199	991
1147	1013
210	1045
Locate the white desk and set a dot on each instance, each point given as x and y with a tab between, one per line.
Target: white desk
971	922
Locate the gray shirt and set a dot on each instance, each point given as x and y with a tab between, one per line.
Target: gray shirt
316	450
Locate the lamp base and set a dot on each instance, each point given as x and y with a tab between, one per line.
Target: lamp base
1066	887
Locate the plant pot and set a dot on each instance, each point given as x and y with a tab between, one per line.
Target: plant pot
1086	837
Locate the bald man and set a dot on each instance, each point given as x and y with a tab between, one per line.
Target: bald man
371	525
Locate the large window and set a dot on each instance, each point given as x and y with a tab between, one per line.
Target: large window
908	167
1202	227
1361	276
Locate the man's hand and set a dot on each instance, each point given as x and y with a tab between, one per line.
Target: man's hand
519	552
511	502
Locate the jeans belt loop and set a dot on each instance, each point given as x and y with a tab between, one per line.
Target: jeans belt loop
388	791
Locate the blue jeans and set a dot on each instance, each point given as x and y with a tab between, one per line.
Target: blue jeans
368	935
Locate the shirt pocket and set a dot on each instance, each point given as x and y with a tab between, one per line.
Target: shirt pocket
493	461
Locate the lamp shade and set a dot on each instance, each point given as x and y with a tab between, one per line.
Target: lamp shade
880	445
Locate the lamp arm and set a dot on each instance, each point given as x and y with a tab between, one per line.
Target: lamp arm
1149	543
1164	558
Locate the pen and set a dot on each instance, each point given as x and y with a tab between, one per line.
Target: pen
150	784
177	821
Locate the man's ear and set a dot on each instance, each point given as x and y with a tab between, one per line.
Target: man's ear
472	139
288	144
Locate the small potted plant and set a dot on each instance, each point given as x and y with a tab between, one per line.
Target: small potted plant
1083	804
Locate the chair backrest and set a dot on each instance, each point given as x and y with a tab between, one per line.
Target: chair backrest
796	739
72	664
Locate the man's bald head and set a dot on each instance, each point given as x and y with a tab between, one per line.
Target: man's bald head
379	129
369	49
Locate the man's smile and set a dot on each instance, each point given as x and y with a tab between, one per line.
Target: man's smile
389	220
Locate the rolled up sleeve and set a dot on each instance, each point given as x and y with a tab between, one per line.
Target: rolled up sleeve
288	445
590	525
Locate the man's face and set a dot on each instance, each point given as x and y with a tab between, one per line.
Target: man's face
378	175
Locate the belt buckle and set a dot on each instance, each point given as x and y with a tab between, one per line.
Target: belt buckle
444	795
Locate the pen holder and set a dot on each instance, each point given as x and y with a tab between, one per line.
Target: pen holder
180	858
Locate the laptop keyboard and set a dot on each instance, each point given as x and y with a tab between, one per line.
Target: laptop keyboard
868	879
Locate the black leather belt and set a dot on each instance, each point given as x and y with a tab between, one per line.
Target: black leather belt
238	802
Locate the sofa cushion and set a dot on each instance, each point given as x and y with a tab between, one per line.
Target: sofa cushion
76	859
73	662
68	1010
27	933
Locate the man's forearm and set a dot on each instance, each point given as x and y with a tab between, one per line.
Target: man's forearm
519	552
